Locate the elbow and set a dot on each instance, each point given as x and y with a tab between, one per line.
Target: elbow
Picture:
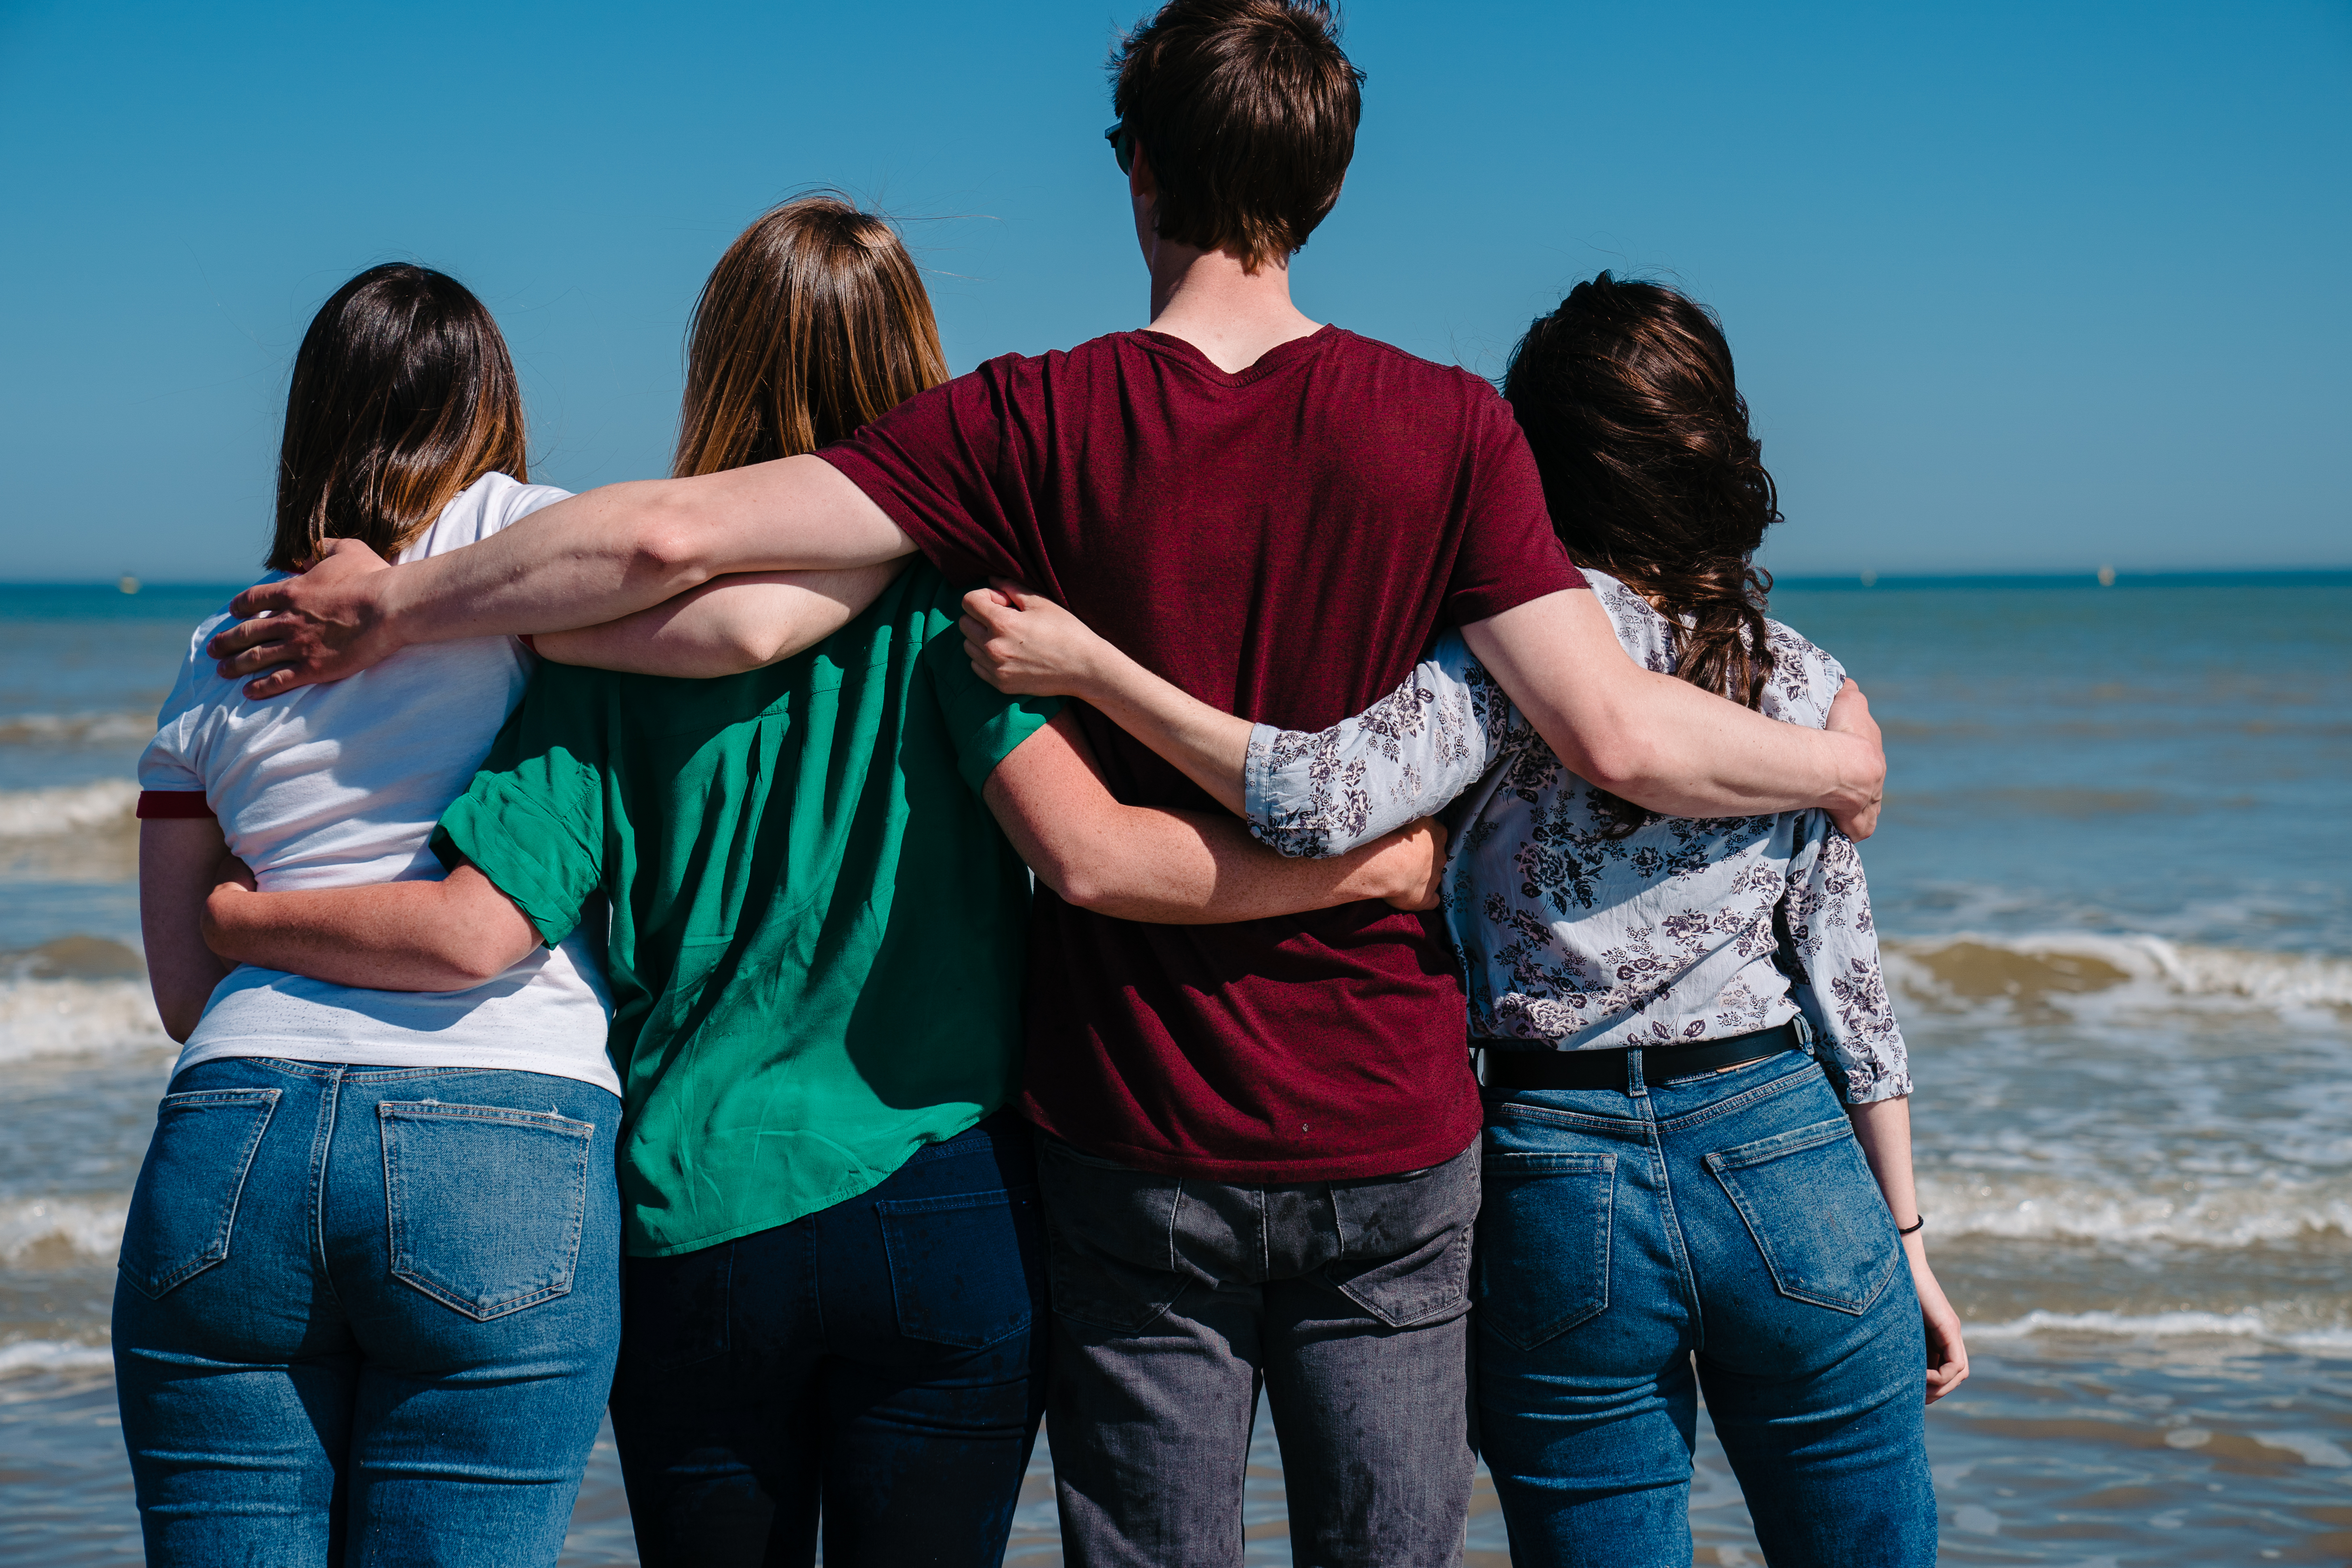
1621	763
669	546
1077	884
463	967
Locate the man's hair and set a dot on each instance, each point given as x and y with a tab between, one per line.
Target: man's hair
1247	111
402	395
815	322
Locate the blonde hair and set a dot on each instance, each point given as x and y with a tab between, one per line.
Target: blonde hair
815	322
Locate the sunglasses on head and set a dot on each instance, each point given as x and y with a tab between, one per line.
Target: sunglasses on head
1122	146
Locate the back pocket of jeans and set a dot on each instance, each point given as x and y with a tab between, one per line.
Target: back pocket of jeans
1810	1201
485	1204
962	1266
185	1208
1543	1242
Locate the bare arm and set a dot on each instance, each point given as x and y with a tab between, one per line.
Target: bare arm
178	860
450	935
1882	1128
1662	742
595	558
1181	868
1021	642
742	621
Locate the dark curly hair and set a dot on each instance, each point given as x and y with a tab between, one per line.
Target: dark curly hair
1650	471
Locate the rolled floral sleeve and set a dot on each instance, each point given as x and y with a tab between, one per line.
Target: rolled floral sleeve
1406	757
1840	986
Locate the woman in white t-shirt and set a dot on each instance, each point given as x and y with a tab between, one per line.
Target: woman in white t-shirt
368	1301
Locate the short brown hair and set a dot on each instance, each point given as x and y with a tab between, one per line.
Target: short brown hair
815	322
1247	111
402	395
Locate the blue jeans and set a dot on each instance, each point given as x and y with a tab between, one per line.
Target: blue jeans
367	1314
882	1359
1727	1217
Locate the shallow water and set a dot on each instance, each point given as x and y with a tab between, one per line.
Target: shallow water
2116	880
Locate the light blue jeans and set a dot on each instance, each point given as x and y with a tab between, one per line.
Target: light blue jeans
1727	1218
367	1315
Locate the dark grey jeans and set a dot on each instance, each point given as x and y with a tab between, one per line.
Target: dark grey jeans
1177	1301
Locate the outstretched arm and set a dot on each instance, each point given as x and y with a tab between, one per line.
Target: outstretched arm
449	935
742	621
1663	744
595	558
1181	868
179	859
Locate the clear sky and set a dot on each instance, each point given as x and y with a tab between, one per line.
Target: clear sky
2011	288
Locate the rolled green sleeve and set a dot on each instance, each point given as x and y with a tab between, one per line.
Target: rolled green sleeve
533	819
984	723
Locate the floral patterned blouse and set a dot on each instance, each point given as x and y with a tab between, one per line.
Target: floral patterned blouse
1573	940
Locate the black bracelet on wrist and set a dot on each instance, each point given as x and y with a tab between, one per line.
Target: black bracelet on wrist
1915	1225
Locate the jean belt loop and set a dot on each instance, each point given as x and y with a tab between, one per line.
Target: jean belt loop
1635	1086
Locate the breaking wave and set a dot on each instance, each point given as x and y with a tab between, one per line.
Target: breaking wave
56	1231
52	1356
74	728
2049	969
67	809
77	1017
2042	1208
2250	1323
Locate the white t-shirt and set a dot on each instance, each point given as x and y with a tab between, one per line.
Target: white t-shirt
340	785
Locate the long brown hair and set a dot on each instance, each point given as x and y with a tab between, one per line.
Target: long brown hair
1650	469
815	322
402	395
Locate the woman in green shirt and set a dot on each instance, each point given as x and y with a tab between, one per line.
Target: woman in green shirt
834	1298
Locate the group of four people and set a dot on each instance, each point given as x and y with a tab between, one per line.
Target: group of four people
779	1009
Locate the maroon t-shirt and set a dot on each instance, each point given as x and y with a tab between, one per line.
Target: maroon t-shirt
1283	543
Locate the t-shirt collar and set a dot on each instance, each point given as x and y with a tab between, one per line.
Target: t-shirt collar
1272	360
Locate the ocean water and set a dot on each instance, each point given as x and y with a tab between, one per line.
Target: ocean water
2116	883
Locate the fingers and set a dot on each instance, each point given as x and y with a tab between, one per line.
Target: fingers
276	683
248	632
259	600
1857	825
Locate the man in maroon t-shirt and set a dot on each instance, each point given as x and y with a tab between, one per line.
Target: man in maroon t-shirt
1258	1165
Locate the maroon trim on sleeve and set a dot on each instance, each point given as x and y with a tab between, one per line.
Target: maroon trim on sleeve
528	640
166	805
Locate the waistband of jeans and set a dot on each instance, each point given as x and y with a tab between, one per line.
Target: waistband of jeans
1610	1069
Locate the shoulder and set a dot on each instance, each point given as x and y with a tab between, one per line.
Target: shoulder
1648	637
1805	679
199	684
492	503
1449	383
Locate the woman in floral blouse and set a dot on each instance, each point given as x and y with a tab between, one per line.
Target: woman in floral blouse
1697	1166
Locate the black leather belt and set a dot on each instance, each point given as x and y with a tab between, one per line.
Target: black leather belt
1607	1070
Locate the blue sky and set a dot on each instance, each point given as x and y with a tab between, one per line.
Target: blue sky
2011	288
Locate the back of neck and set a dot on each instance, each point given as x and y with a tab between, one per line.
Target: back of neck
1232	317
